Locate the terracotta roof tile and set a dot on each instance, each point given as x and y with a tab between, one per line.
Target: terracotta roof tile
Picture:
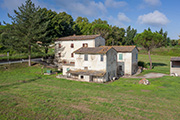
175	59
93	50
124	48
77	37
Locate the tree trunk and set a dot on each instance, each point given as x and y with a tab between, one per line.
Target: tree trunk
29	51
149	53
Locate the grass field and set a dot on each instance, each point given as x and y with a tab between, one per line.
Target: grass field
26	94
161	64
164	51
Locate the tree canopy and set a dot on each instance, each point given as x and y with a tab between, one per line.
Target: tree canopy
149	40
27	28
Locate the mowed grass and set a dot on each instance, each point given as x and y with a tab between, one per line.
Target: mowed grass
26	94
161	64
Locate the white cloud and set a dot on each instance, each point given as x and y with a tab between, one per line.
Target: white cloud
155	19
86	8
122	17
119	20
92	9
115	4
153	2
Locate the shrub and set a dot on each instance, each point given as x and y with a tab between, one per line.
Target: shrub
143	64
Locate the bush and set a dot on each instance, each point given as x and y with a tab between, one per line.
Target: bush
143	64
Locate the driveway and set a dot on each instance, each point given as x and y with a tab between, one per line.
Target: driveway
149	75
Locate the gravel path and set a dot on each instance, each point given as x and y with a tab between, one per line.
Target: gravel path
149	75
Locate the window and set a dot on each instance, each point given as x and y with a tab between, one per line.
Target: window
59	54
85	45
120	56
85	57
59	45
72	45
67	69
86	68
136	56
101	58
72	54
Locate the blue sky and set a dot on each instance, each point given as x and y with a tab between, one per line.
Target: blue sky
140	14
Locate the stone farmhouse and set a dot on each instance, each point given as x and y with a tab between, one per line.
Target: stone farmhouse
86	58
127	60
65	47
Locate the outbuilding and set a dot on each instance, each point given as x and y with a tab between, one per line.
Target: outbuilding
175	66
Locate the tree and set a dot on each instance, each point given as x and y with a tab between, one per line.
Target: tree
63	24
174	42
51	34
101	29
116	36
99	21
27	27
149	40
166	40
82	26
130	34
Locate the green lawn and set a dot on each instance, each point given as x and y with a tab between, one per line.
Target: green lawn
161	63
26	94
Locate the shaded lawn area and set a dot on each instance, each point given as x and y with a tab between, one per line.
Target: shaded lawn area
26	94
161	64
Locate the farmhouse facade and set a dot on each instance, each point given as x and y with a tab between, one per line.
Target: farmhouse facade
65	46
127	60
175	66
94	64
85	57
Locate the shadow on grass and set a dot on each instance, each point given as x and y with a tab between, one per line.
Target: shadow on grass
157	64
20	82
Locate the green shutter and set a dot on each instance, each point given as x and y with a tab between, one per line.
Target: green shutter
120	56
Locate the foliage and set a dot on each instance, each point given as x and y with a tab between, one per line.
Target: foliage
174	42
82	26
50	31
149	40
163	51
130	34
116	36
142	64
166	40
63	24
27	28
99	21
101	29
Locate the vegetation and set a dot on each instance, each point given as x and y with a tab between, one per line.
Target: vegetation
163	51
27	94
149	40
161	64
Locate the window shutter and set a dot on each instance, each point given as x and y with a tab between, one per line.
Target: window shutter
120	56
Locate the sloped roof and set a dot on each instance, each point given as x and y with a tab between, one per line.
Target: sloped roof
93	50
124	48
87	72
78	37
175	59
